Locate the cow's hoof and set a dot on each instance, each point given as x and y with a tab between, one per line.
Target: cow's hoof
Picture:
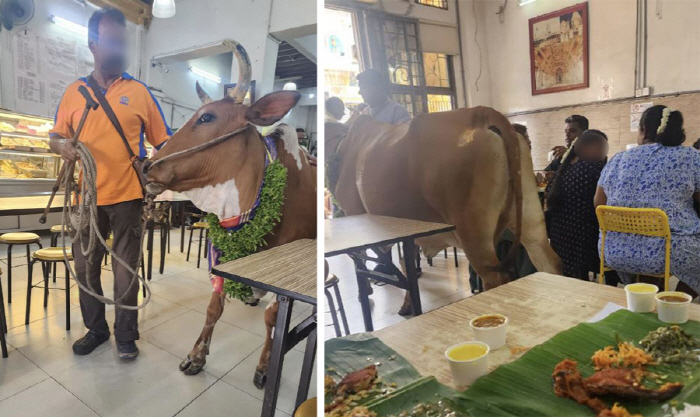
405	311
260	379
190	367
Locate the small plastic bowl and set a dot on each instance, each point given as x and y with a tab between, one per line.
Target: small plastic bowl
675	312
640	297
494	336
465	372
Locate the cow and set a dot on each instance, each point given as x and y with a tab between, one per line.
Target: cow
224	179
449	167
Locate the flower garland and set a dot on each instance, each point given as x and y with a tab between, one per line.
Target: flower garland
251	237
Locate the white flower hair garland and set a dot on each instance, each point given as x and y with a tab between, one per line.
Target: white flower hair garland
664	120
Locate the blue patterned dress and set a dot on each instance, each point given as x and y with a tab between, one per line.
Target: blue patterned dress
656	176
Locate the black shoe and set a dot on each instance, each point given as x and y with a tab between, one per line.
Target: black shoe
86	344
127	350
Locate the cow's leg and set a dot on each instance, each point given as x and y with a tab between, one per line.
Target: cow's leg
270	320
195	360
534	238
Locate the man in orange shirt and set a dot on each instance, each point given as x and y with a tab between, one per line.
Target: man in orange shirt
119	193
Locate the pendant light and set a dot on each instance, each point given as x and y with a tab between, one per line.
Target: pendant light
164	8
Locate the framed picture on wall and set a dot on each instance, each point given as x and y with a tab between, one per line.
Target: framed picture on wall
249	98
559	50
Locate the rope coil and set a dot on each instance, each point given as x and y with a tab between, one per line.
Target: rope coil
85	217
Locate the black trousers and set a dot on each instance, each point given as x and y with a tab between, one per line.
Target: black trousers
124	220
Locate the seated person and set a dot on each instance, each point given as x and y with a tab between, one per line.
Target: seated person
658	174
572	224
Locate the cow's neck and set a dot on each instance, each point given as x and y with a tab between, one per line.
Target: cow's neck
232	193
299	209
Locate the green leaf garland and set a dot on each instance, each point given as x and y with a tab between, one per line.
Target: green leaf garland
251	237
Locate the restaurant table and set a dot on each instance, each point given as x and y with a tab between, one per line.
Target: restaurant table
18	206
537	306
289	271
353	235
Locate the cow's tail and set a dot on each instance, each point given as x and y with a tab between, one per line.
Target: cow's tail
512	145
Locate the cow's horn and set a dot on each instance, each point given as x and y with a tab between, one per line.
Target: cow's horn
203	95
244	71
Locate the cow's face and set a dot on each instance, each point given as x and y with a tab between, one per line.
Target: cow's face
223	178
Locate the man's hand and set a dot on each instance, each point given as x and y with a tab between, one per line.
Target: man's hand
65	148
559	151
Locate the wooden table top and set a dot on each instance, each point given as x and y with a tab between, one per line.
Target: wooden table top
538	307
29	204
288	270
351	233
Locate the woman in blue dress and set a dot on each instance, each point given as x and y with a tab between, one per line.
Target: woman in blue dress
660	173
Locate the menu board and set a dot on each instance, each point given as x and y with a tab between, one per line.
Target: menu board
44	67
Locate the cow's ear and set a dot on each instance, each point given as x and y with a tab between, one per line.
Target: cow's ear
271	108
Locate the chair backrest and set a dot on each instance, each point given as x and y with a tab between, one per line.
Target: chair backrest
639	221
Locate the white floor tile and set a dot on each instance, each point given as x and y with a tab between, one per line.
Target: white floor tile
149	386
17	373
45	399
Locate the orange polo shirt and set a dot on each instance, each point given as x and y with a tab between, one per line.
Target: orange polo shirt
141	119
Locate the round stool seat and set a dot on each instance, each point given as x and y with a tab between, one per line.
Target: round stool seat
52	254
201	225
331	281
19	238
307	408
58	229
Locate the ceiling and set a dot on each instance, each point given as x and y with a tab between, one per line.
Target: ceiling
136	11
293	65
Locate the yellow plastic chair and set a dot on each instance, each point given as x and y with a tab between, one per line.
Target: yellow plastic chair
637	221
307	408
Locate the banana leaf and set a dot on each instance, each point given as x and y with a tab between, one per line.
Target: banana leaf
524	387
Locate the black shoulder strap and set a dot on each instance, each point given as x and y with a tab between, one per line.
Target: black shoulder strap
110	113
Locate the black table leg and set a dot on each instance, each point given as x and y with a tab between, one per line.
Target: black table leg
149	248
182	226
412	279
163	241
306	369
9	273
274	369
363	290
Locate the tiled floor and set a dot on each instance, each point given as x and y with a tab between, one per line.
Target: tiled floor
439	285
42	376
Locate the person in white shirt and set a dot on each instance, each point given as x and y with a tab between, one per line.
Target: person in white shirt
374	89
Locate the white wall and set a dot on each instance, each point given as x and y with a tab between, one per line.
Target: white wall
673	54
194	25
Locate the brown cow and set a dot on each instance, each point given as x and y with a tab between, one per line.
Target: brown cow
224	179
448	167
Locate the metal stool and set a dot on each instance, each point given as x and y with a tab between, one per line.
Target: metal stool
202	226
12	239
332	282
47	257
3	322
307	408
55	234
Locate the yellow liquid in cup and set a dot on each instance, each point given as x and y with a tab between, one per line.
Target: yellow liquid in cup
641	288
467	352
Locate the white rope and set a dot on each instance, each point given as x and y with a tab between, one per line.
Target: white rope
86	218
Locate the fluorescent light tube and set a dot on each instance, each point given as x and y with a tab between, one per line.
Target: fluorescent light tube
208	76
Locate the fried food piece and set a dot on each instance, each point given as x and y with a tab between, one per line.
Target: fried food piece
627	383
568	383
357	381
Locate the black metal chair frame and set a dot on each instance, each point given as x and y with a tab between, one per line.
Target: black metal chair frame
46	267
340	310
9	265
